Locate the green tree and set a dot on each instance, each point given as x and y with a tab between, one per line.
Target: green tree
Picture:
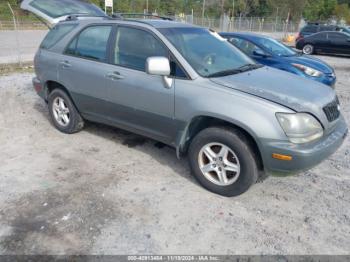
319	9
342	11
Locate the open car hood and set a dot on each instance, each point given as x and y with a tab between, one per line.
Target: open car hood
54	11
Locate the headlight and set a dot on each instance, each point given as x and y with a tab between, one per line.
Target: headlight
300	127
308	70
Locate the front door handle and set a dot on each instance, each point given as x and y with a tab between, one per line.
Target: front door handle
114	76
65	64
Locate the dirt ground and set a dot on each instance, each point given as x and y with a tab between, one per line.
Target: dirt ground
105	191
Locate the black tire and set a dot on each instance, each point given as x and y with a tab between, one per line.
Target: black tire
308	49
75	123
239	144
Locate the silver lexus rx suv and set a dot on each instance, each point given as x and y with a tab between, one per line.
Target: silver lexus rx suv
184	86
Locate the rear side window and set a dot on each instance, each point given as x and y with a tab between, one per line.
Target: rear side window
327	28
310	29
319	36
246	46
92	43
56	34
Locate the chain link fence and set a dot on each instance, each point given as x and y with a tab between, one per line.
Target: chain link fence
245	24
20	38
22	25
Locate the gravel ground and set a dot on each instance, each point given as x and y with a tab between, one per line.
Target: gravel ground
105	191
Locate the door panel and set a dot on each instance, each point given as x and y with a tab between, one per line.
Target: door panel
86	82
347	47
83	68
139	100
321	42
339	43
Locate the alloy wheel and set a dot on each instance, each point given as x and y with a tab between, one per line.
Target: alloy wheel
308	49
219	164
61	111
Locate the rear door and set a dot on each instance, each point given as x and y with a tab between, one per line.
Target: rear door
83	67
320	41
54	11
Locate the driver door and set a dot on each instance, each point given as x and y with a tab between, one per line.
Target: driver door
138	101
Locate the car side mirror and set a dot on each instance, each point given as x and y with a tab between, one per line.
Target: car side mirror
259	53
158	65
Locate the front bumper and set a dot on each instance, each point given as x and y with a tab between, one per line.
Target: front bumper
328	80
303	156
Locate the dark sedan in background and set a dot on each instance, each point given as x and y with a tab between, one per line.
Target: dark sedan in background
270	52
313	28
325	42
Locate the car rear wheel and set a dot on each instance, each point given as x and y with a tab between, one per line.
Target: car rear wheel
222	161
308	49
65	117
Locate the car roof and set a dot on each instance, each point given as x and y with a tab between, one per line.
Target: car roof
330	32
246	35
155	23
158	23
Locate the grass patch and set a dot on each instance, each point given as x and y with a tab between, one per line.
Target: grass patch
8	69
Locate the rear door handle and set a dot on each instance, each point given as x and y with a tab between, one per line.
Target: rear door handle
65	64
114	76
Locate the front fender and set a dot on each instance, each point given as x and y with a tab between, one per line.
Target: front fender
253	114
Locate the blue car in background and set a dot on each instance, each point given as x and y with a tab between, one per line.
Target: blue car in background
270	52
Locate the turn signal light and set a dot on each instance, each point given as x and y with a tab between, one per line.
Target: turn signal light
282	157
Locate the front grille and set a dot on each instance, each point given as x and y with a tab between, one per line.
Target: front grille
332	110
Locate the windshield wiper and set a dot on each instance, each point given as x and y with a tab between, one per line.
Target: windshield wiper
245	68
249	67
225	73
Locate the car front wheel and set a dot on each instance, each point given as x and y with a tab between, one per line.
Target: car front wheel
222	161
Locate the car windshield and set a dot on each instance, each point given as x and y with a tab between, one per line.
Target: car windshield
276	47
207	52
345	30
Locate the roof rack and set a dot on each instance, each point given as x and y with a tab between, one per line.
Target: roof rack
121	16
74	17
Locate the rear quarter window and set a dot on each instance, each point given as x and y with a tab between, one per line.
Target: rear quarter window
56	34
310	29
327	28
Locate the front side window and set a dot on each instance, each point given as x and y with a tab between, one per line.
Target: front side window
276	48
56	34
246	46
209	54
58	8
91	43
133	46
